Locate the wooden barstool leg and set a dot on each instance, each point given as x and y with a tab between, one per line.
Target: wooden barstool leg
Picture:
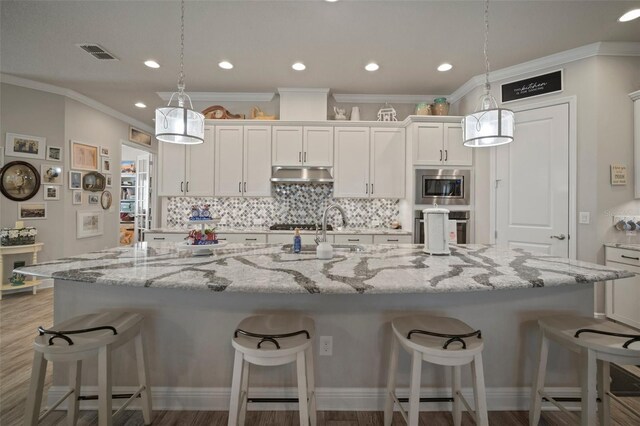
604	386
414	386
391	381
311	386
303	401
105	403
143	378
73	403
36	387
456	388
538	380
244	393
588	374
235	388
482	418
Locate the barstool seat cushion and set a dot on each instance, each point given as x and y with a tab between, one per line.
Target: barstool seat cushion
275	324
431	344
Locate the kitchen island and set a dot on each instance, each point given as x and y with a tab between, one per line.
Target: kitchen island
192	305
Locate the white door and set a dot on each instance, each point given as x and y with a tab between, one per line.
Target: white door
287	146
199	179
257	161
455	153
228	161
532	188
387	163
172	169
143	172
351	172
427	144
317	146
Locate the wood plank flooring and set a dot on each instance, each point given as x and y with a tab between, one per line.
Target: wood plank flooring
21	314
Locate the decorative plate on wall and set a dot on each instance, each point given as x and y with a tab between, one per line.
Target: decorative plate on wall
19	181
93	181
105	200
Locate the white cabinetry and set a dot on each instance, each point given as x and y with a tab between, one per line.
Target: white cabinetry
387	158
297	146
437	144
353	239
243	238
623	296
187	169
351	172
635	97
165	237
392	239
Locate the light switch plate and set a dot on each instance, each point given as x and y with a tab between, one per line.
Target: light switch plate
585	218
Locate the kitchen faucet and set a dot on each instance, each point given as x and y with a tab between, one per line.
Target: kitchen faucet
324	222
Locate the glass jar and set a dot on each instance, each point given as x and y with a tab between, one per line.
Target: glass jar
440	106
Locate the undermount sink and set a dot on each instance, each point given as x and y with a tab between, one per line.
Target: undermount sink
311	248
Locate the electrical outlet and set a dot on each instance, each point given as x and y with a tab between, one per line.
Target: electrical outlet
326	345
585	218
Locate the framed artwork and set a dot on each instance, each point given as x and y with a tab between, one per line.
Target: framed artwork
93	181
127	167
32	210
19	181
51	174
1	157
84	156
104	151
77	197
109	183
89	224
75	180
17	145
138	136
54	153
93	198
106	199
51	192
105	165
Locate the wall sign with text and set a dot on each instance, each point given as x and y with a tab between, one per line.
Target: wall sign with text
535	86
618	174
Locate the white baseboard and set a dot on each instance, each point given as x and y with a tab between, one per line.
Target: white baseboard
334	399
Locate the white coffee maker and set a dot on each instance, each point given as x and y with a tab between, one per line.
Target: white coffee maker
436	231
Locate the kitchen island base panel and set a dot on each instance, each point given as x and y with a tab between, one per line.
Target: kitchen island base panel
188	334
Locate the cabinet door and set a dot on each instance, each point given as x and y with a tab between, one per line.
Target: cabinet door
455	153
171	173
199	174
353	239
317	146
287	146
257	161
427	144
351	169
623	296
392	239
228	160
387	156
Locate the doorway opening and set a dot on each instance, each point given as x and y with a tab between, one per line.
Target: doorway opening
136	194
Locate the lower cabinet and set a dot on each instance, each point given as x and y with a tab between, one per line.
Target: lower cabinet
623	296
353	239
243	238
392	239
163	236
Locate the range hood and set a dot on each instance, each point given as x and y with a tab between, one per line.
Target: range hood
293	174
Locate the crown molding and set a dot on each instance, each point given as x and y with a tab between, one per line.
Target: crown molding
302	90
635	95
380	99
223	96
72	94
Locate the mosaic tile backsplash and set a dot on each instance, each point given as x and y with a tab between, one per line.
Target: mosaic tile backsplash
290	203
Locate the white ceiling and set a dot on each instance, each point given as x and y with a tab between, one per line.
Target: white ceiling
409	39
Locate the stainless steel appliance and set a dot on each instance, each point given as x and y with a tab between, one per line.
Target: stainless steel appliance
462	226
443	186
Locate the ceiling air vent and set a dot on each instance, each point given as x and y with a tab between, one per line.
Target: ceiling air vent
96	51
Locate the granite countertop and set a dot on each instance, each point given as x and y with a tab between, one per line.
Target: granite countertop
268	268
634	247
263	230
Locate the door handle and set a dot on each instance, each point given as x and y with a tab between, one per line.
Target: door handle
440	155
366	188
299	156
251	239
395	240
353	239
559	237
187	186
371	189
630	257
158	238
305	156
245	187
240	187
181	186
446	154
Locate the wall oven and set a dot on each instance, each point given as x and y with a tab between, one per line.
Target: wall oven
462	226
443	186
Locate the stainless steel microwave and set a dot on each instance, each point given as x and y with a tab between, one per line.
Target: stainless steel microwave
443	186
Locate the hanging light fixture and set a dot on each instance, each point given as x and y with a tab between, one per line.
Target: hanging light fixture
489	125
179	124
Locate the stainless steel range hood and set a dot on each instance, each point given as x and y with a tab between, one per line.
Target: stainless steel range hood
292	174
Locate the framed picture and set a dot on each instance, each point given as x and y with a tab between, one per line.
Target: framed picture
75	180
106	199
106	165
51	174
32	210
54	153
108	178
19	181
138	136
1	157
104	151
89	224
24	146
127	167
51	192
77	197
93	198
84	156
93	181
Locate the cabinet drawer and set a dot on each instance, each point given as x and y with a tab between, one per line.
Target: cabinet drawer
353	239
243	238
628	257
392	239
164	237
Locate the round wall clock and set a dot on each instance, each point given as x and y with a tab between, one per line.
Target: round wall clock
105	200
19	181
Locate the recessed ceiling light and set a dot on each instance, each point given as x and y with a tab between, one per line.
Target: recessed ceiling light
444	67
630	16
331	1
152	64
225	65
140	105
372	67
299	66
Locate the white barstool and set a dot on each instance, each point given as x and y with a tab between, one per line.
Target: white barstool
77	339
598	342
441	341
271	340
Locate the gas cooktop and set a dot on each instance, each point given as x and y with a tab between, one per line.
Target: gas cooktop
301	226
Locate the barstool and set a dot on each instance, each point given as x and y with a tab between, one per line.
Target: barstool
77	339
598	342
441	341
271	340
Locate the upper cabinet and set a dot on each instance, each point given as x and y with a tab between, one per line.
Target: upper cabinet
437	144
302	146
635	97
387	163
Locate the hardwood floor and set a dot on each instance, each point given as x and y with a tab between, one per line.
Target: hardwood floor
21	314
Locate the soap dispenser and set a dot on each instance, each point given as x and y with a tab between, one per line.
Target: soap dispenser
297	241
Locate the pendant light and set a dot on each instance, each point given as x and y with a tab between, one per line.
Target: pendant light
490	125
179	124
